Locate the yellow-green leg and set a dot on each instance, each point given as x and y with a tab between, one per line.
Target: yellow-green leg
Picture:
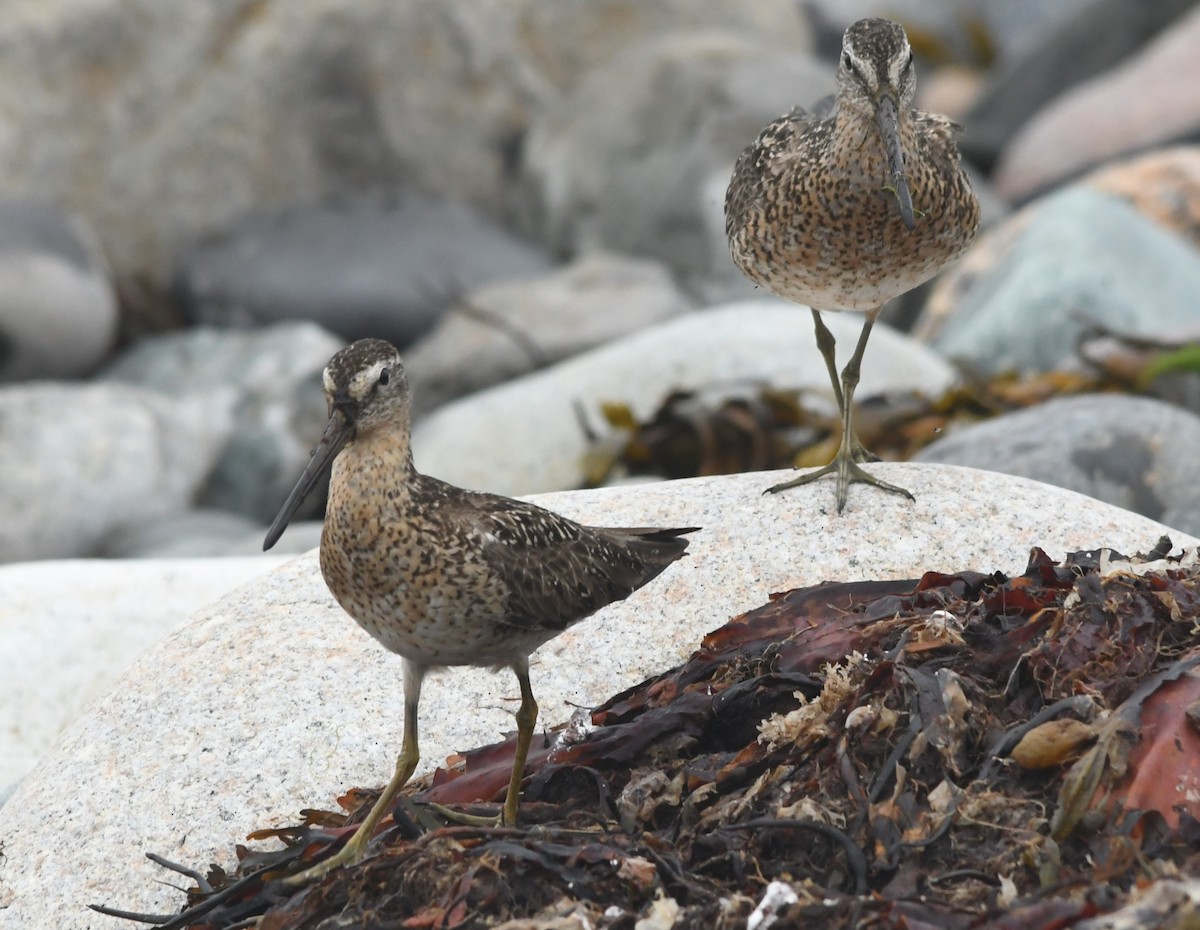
526	719
406	763
850	452
828	347
827	344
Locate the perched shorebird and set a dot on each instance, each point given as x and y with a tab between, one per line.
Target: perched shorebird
445	576
847	210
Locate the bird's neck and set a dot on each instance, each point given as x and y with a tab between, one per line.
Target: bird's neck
383	451
857	134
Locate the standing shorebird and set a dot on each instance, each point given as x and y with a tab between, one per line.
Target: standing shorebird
846	211
445	576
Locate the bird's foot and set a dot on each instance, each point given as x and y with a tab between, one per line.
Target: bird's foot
860	453
472	820
354	850
808	478
845	466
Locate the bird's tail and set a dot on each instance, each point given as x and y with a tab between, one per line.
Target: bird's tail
657	547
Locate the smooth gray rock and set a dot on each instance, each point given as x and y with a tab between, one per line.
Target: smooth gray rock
365	269
273	379
1080	256
1149	101
68	629
273	700
193	534
166	121
58	312
1083	39
509	329
526	436
1132	452
82	462
200	534
624	161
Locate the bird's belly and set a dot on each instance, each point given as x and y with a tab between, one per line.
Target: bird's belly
834	269
443	615
434	636
847	248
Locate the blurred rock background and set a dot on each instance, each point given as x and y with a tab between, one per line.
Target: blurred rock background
201	202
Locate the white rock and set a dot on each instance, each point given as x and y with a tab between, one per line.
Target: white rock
275	374
81	461
508	329
535	419
272	699
202	534
58	312
69	629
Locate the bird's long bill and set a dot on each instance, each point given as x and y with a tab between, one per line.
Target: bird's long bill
889	131
337	433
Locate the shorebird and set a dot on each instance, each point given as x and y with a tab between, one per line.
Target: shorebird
845	210
445	576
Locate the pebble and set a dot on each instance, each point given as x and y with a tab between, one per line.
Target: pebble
624	161
238	110
1163	186
204	533
1084	39
1148	100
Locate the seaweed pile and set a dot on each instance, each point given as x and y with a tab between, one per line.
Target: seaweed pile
966	750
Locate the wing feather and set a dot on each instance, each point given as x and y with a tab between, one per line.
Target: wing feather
558	571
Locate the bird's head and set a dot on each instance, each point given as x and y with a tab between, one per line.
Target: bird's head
876	82
365	389
365	386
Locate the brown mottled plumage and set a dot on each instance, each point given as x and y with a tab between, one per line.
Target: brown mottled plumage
444	576
847	211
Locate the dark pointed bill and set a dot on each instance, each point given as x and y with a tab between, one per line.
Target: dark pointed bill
889	130
337	432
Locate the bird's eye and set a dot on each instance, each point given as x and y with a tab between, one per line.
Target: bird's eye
849	65
385	376
908	63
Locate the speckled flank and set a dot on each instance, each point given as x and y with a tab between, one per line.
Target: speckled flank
445	576
809	213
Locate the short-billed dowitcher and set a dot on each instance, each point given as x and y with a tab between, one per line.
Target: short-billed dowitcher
847	210
445	576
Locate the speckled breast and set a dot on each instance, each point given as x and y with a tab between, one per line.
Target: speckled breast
848	249
419	593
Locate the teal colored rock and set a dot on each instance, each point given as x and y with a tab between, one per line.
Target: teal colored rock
1084	257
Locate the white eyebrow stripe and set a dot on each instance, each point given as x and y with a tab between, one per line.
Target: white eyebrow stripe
897	66
364	380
